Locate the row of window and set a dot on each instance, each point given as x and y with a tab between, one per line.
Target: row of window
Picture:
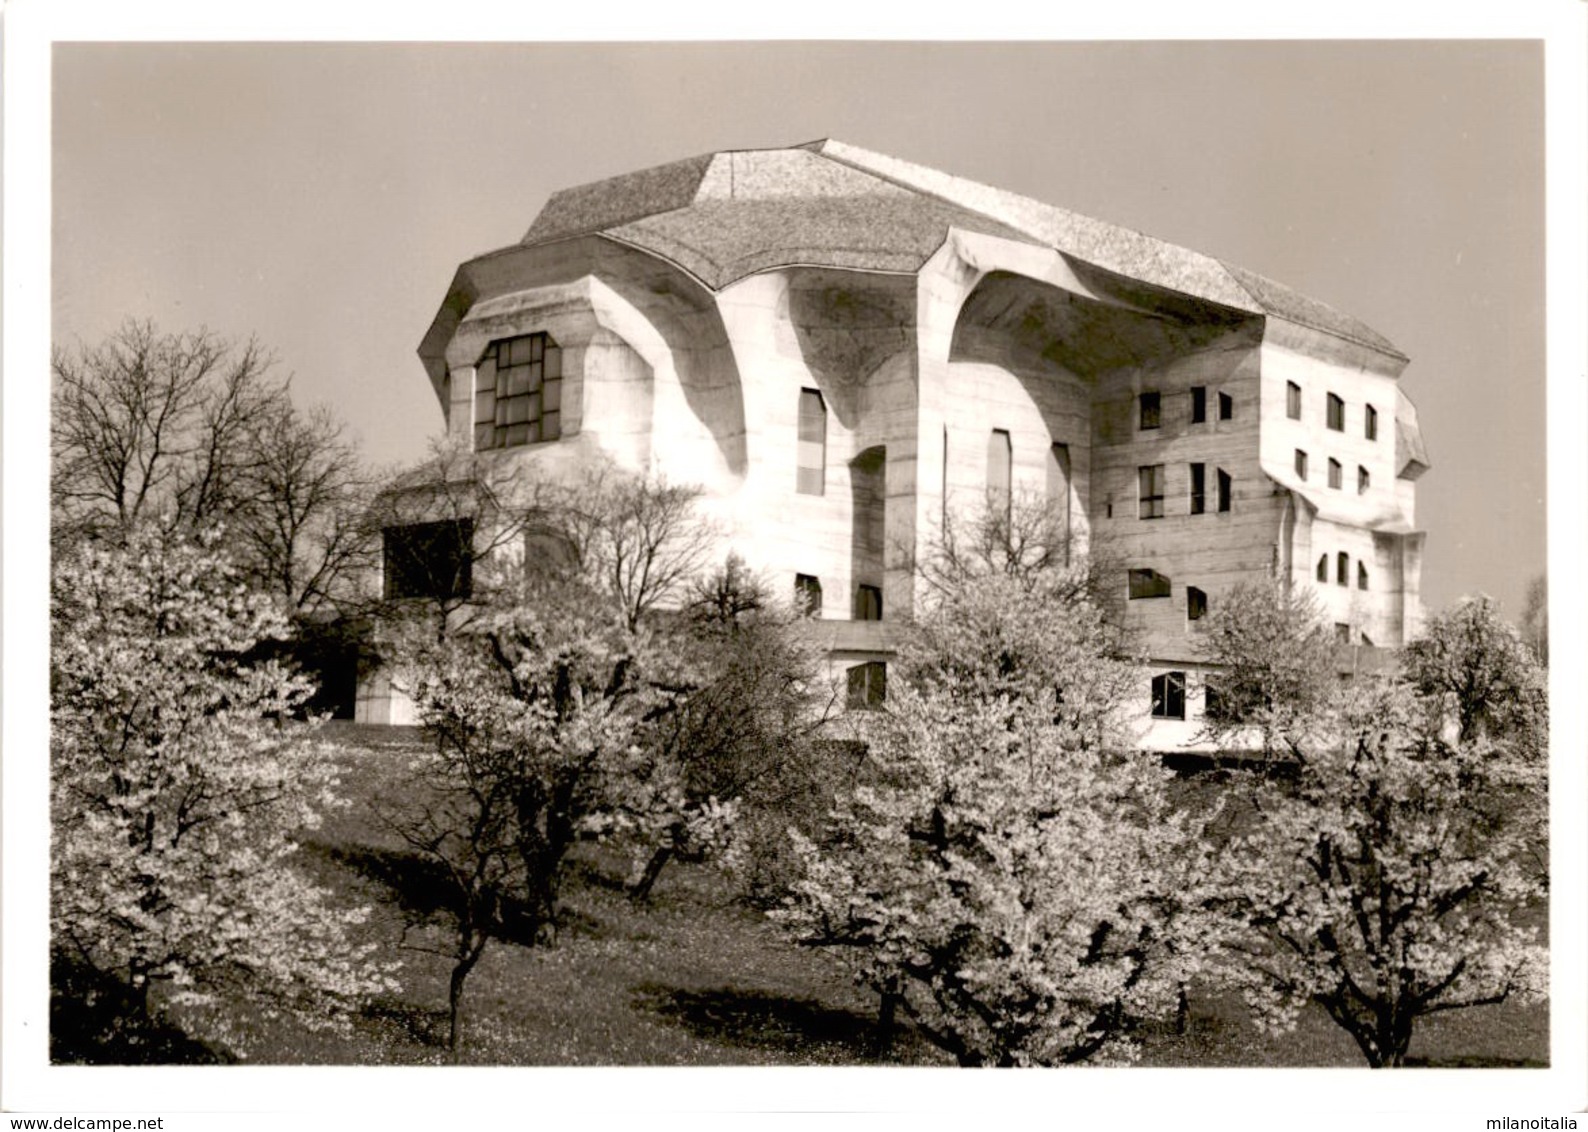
1342	570
1150	482
1147	583
808	599
1336	473
1150	407
1334	411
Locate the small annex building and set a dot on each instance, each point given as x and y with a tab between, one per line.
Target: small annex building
842	348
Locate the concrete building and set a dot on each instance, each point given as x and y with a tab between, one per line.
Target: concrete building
842	348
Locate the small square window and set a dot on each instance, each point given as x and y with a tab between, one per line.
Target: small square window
1335	473
1336	419
1199	404
1226	407
1168	696
1150	409
1293	400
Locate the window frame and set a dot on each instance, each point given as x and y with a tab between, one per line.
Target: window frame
868	602
1226	488
807	595
1292	401
1361	575
1149	413
1149	504
1199	485
1363	480
539	378
1196	603
1334	413
1370	423
811	448
1301	465
1199	404
1146	584
1226	406
1336	473
1342	568
867	686
1168	692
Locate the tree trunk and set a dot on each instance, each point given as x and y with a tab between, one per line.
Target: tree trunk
641	890
887	1014
460	973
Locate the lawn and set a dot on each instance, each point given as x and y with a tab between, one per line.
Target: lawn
694	977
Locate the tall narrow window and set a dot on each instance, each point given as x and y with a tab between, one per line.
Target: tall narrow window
1323	568
1292	400
868	603
1199	501
1168	696
1342	568
1059	492
1361	575
1301	464
1199	404
1196	604
1149	409
999	461
1370	424
807	595
812	472
1226	489
1335	473
1363	480
1336	419
1226	407
518	392
1150	481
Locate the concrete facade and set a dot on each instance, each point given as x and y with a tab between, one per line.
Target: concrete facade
952	330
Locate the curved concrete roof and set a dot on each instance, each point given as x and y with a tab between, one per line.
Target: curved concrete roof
726	215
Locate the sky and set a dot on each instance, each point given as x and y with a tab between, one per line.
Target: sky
320	197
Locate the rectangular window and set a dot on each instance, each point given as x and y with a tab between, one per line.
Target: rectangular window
1149	410
1301	464
1292	400
999	469
1198	488
1342	568
811	475
1059	492
1323	568
1150	482
1370	426
807	595
868	603
1361	575
1226	490
1336	419
1199	404
1148	583
1226	407
1168	696
868	685
1342	633
518	392
1336	473
1363	480
1196	604
433	560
